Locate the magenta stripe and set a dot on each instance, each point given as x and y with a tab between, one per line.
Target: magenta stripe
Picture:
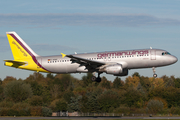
27	50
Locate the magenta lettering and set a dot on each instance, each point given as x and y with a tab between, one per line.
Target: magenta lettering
134	52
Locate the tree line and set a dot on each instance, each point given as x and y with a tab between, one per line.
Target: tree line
39	95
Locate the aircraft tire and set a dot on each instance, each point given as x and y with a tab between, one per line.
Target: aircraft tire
93	78
155	75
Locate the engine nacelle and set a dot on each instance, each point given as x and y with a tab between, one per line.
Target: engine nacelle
116	70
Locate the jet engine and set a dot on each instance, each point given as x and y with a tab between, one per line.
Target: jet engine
116	70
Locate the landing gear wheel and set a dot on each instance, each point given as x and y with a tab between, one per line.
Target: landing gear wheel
93	78
155	75
98	79
154	71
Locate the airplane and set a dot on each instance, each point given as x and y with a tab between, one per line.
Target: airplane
117	63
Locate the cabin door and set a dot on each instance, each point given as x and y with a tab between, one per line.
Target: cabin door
153	54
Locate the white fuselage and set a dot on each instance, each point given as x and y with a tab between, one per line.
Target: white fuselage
131	59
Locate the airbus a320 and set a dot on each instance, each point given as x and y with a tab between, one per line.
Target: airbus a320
117	63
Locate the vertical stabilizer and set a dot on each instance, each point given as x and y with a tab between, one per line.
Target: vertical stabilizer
19	48
24	56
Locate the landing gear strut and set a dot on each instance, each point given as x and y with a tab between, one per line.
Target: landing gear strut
154	71
97	79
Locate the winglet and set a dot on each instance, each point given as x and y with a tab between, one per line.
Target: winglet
63	55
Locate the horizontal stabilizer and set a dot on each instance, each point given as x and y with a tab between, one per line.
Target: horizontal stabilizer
15	62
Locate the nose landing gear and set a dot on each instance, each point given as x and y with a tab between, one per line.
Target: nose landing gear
154	71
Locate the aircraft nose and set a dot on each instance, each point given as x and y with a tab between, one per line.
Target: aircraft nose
174	59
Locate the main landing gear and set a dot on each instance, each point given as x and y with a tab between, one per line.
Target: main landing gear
154	71
97	79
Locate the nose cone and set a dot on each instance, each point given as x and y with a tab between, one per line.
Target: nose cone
174	59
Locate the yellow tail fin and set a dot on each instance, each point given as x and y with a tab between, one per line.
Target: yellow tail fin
19	48
24	56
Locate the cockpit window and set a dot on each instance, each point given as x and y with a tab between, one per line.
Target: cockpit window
166	53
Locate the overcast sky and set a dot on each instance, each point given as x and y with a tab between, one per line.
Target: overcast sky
68	26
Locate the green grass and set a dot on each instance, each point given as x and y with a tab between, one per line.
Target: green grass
101	119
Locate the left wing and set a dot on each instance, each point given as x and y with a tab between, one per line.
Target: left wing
91	65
